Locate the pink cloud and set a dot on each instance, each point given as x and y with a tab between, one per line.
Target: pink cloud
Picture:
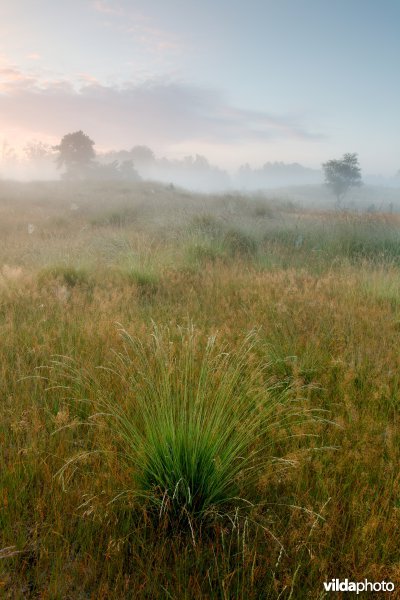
105	7
12	78
159	113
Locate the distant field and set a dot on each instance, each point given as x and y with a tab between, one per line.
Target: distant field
310	405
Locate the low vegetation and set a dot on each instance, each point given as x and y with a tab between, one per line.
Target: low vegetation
200	397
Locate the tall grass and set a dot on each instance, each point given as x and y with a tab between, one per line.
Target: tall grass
322	290
193	421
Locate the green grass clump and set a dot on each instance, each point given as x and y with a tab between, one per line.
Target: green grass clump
364	239
65	274
207	225
262	210
206	240
116	218
144	279
192	428
204	251
239	243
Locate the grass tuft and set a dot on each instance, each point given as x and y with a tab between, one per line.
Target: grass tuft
239	243
193	425
68	275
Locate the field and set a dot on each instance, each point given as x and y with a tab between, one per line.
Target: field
118	303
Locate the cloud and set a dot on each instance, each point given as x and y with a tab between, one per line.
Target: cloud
142	29
154	39
102	6
12	79
157	112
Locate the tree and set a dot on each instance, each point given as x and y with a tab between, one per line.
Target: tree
142	155
75	152
114	171
127	171
8	154
341	175
37	151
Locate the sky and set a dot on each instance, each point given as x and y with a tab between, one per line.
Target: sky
239	82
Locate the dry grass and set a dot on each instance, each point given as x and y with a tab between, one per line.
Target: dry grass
328	322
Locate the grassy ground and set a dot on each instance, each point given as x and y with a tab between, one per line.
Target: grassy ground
322	291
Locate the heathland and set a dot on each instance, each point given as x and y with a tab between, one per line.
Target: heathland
199	394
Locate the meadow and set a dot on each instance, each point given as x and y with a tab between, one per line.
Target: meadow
199	394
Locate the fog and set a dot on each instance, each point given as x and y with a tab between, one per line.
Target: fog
288	181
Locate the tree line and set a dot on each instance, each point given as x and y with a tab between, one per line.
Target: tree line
75	154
